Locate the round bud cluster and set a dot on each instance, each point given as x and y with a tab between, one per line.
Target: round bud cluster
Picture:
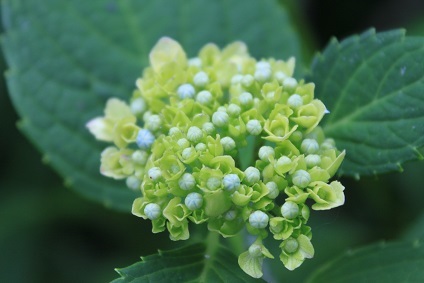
224	139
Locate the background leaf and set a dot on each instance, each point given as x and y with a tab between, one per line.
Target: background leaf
192	263
373	85
391	262
67	58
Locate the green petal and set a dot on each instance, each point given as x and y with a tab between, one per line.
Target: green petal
167	50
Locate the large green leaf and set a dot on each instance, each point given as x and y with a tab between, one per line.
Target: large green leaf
373	85
67	58
192	263
388	263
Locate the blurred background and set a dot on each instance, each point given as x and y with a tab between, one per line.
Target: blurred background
48	233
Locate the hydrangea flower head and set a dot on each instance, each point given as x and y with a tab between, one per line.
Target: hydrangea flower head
182	138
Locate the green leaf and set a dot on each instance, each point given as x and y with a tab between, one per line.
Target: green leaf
67	58
192	263
373	85
391	262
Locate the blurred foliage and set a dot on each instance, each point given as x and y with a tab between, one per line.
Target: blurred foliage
50	234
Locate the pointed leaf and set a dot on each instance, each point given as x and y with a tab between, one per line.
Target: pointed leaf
373	86
389	263
188	264
66	58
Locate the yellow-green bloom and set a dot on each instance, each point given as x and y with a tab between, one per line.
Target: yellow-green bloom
181	140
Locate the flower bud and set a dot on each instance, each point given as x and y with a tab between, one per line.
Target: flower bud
266	152
290	83
174	131
186	91
140	157
201	79
133	183
152	211
246	99
273	190
255	250
247	80
153	123
231	182
280	76
228	144
296	136
263	65
220	119
254	127
138	106
252	175
188	153
234	110
146	115
194	134
309	146
230	215
145	139
262	75
290	245
154	174
313	160
213	183
195	62
290	210
187	182
259	219
301	178
200	147
183	143
295	101
193	201
236	79
209	128
328	144
204	97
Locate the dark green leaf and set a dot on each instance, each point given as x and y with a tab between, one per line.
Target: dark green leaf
389	263
67	58
373	85
192	263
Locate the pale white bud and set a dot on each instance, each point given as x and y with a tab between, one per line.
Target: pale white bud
194	134
266	152
231	182
140	157
254	127
309	146
204	97
220	119
228	144
145	139
259	219
138	106
295	101
187	182
252	175
290	210
273	191
186	91
301	178
153	123
152	211
154	174
193	201
246	99
201	79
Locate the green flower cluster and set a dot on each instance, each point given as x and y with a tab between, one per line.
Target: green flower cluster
183	137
